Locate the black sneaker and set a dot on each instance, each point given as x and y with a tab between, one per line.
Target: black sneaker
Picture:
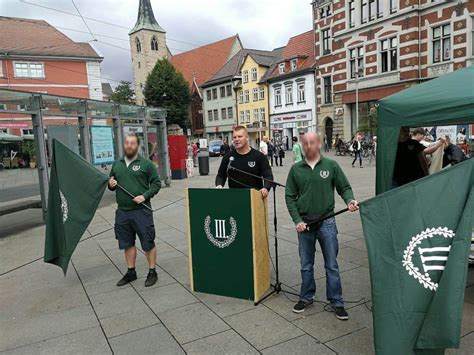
301	306
341	313
127	278
151	278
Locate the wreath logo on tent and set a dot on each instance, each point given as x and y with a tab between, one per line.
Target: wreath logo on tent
220	239
432	259
64	206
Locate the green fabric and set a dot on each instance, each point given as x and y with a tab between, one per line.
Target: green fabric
139	178
409	317
447	100
297	152
75	189
310	192
227	270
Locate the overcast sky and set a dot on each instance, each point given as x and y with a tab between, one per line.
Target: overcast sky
262	24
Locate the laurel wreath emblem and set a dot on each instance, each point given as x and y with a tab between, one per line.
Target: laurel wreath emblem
423	279
213	240
64	206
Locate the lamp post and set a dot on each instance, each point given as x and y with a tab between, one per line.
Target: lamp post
358	74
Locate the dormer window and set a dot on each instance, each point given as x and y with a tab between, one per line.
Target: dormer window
254	74
325	11
281	68
154	44
138	45
294	64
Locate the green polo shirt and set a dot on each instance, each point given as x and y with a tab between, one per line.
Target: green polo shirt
139	178
311	191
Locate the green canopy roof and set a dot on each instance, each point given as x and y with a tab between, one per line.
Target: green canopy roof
5	137
447	100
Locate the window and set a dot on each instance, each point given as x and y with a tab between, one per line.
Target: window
393	6
29	70
27	131
277	97
289	95
294	64
139	65
327	90
222	90
262	114
247	116
241	96
325	11
154	44
138	45
224	113
246	76
441	43
208	94
356	60
216	115
247	96
230	113
351	13
4	130
281	68
3	106
214	94
255	94
301	92
326	41
372	9
241	116
209	115
261	94
364	11
255	115
228	90
388	54
254	74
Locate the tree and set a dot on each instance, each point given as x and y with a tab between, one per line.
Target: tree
123	93
166	88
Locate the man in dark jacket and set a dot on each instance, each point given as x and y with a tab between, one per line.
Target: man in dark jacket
138	176
453	154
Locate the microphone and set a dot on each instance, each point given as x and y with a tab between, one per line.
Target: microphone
229	166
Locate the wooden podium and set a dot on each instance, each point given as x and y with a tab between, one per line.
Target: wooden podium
228	242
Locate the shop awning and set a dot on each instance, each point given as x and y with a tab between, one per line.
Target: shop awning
5	137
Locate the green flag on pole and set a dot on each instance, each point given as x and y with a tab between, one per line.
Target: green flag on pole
418	241
75	189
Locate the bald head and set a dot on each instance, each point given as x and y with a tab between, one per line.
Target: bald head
311	143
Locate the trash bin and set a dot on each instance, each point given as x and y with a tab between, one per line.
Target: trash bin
203	161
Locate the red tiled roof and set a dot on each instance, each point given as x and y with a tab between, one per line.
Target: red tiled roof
38	38
299	46
203	63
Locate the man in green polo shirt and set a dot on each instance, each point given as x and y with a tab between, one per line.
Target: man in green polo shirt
138	176
309	195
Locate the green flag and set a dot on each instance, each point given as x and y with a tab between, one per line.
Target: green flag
75	189
418	241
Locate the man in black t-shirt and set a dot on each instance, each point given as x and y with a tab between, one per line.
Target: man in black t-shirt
246	159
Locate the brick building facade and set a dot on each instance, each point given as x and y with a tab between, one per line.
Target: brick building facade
379	47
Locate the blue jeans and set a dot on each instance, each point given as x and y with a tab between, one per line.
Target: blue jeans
327	237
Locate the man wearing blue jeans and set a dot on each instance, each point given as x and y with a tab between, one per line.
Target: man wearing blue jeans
309	195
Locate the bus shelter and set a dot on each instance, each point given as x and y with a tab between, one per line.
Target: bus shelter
94	129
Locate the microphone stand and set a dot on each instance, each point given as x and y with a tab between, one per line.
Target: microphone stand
276	287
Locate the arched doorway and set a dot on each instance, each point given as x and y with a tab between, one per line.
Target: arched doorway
328	128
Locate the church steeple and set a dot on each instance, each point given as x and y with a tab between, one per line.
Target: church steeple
146	19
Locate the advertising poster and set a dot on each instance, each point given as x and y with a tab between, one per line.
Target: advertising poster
138	130
102	145
450	131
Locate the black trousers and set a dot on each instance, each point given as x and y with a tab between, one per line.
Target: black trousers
357	153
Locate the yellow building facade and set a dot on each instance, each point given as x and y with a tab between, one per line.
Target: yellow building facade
252	101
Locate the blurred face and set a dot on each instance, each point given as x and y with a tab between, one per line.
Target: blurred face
418	137
311	143
404	134
240	139
130	147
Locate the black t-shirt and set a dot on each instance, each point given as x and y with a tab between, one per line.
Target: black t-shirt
253	162
407	163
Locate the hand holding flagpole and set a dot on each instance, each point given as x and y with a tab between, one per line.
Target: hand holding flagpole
113	183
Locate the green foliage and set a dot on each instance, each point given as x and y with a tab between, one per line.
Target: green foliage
123	93
166	88
29	148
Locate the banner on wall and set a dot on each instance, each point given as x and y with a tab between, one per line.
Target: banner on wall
450	131
102	145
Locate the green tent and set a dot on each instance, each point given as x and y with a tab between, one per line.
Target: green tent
447	100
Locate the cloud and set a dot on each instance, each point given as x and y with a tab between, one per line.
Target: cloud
262	24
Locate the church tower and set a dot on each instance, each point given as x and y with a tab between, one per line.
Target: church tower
147	44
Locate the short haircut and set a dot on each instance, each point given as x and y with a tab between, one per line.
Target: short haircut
418	130
241	128
134	135
294	139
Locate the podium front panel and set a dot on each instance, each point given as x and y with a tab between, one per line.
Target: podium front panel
221	243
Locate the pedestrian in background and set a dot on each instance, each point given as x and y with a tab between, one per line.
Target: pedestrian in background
270	152
195	153
326	144
279	154
357	149
297	151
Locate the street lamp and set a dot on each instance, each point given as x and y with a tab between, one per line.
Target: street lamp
358	74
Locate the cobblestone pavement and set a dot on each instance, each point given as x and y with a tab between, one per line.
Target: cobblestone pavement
41	311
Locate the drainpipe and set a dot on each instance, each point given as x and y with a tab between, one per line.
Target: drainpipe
419	42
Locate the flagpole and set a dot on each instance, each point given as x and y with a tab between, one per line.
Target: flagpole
132	196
